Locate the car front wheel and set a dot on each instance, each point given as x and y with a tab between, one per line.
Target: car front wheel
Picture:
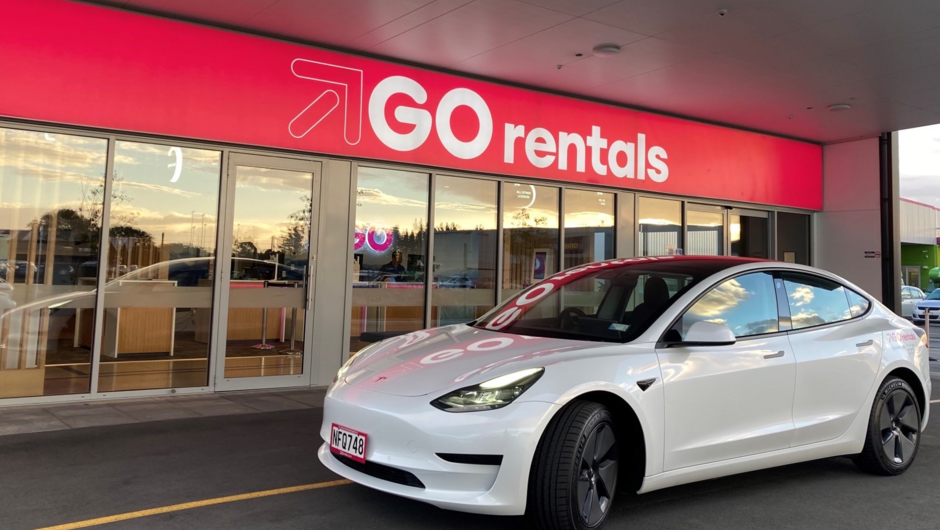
574	477
893	430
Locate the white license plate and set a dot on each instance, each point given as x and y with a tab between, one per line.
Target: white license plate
349	443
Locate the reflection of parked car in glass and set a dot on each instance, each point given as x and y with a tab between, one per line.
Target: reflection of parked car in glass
462	280
6	302
185	272
21	269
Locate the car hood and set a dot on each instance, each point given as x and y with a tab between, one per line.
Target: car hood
931	304
426	361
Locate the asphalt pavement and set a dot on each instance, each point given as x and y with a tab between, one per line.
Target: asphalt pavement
68	476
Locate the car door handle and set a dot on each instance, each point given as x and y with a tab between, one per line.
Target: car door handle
774	355
868	342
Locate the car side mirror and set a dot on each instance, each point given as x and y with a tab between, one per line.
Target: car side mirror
704	333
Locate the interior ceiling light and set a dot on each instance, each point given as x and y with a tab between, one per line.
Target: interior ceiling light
606	50
838	107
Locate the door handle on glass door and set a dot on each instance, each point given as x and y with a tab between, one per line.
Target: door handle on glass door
868	342
774	355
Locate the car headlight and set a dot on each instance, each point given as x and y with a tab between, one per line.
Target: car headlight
489	395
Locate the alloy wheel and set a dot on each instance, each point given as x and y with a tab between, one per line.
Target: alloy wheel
899	427
597	478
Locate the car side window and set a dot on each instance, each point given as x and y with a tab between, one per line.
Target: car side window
747	304
858	304
815	301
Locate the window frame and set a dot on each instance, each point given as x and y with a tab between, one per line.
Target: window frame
780	321
846	289
784	321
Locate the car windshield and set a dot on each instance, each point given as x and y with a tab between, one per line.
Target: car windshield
934	295
612	301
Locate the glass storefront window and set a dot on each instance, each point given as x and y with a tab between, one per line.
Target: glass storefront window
589	227
660	227
530	235
464	281
268	279
158	299
51	198
706	230
390	253
749	236
793	239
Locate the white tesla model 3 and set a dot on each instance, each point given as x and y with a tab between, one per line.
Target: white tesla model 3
631	375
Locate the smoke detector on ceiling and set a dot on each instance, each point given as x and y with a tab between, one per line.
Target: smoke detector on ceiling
606	50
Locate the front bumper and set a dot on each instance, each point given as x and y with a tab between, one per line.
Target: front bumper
918	316
407	433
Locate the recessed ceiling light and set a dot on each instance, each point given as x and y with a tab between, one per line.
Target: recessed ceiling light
606	50
838	107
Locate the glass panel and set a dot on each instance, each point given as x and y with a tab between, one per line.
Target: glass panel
51	196
706	231
793	238
746	304
749	236
594	304
389	255
464	249
530	235
589	227
815	301
158	300
660	227
857	303
267	288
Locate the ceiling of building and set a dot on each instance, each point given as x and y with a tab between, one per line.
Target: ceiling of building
772	65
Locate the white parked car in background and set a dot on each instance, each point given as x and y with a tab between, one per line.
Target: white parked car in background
910	297
631	375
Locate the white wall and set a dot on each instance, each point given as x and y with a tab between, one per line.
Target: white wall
850	222
918	223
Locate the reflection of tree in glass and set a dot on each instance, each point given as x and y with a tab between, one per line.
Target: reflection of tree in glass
92	205
245	249
522	218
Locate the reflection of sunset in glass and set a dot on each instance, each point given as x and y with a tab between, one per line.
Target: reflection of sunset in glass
746	304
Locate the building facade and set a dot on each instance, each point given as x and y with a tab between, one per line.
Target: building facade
189	209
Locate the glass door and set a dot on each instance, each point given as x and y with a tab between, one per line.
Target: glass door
749	234
267	281
705	230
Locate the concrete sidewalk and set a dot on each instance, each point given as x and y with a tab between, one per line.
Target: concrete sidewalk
39	418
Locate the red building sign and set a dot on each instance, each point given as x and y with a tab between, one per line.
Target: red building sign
86	65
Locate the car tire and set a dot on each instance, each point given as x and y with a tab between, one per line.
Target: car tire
575	469
893	436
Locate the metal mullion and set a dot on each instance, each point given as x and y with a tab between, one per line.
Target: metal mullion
638	252
351	252
561	231
500	249
685	228
217	346
771	235
429	259
223	270
103	249
726	221
313	243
